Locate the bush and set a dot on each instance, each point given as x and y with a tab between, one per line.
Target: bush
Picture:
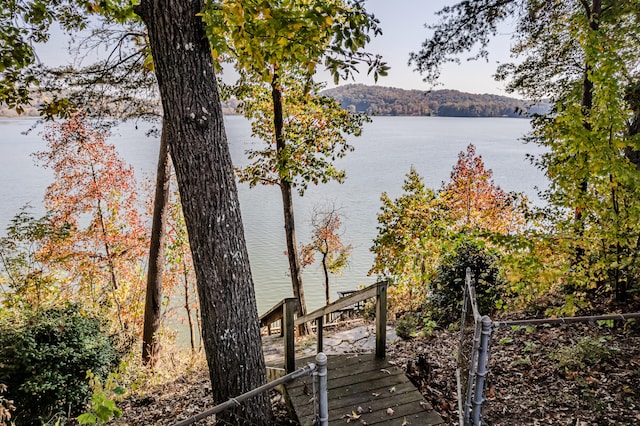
589	351
45	356
445	299
407	326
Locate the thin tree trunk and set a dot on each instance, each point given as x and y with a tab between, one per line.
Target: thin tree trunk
325	270
287	203
187	307
200	154
593	13
153	300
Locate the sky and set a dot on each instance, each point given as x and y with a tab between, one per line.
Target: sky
403	26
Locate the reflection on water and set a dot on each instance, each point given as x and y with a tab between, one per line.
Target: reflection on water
384	153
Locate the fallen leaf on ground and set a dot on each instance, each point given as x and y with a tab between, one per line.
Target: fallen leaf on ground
351	417
426	405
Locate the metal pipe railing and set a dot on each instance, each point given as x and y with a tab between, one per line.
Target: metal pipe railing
482	369
308	369
470	405
567	320
323	398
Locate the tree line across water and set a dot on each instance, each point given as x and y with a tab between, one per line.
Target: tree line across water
380	100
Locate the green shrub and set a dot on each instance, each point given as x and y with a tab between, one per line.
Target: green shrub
589	351
45	356
407	326
445	298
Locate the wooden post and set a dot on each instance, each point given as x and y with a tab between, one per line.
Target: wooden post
381	319
319	327
288	329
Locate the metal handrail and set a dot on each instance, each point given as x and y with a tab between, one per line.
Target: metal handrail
319	368
567	320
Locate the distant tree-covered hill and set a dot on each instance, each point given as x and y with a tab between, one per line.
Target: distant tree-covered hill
378	100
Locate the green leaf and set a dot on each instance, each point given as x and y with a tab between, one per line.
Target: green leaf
87	419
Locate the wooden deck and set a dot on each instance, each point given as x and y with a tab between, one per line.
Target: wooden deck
365	386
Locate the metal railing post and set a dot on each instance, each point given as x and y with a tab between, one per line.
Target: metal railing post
323	397
483	368
381	319
288	327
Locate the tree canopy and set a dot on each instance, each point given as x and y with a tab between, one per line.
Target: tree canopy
583	56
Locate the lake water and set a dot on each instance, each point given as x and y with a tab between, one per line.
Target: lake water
383	155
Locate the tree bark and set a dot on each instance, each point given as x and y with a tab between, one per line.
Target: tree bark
198	147
633	98
325	271
287	203
153	300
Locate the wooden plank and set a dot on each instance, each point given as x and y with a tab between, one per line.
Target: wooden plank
414	413
363	381
402	405
353	397
346	369
371	378
400	414
375	389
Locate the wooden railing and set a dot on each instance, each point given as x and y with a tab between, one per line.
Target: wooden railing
284	312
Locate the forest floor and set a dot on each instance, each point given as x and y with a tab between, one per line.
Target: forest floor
581	374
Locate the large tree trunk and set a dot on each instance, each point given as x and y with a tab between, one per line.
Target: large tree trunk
153	300
287	203
200	154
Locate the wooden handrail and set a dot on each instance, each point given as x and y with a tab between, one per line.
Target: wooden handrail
343	302
276	313
285	309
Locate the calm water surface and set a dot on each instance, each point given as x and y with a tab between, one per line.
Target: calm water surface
383	155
